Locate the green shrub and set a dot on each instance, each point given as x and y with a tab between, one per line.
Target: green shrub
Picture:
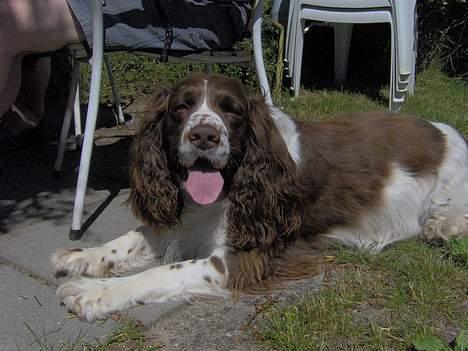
443	34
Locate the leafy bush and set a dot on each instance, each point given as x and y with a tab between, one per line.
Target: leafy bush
443	34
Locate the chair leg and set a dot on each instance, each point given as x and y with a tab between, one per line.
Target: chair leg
414	48
208	68
290	38
258	51
72	97
297	55
91	116
119	116
343	33
395	98
77	115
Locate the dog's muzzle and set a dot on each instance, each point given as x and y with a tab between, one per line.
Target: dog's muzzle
207	142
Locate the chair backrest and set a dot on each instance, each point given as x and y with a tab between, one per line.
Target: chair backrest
350	4
174	26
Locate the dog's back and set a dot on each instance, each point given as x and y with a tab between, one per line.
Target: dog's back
377	178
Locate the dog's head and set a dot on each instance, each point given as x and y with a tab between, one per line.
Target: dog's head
208	141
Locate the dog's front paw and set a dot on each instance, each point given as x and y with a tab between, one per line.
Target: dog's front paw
92	299
91	262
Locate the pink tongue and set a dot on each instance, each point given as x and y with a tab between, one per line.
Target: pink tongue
204	188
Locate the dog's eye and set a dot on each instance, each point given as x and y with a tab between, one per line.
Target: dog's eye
181	107
228	107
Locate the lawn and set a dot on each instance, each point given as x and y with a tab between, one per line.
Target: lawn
376	302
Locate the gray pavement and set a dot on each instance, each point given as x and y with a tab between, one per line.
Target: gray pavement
35	214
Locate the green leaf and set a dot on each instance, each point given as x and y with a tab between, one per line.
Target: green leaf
461	342
430	343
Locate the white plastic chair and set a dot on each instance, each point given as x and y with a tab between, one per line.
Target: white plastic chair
342	14
76	231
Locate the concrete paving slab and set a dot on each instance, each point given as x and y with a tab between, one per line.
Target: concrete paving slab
31	316
35	217
218	325
31	246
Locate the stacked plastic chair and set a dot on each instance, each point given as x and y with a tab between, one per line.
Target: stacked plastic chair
341	15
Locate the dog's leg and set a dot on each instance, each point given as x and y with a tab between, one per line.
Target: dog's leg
94	299
131	251
448	207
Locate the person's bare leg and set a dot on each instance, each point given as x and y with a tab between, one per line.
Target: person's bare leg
12	81
31	26
34	85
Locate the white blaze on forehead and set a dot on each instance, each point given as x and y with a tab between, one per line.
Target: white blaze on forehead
205	115
204	109
205	88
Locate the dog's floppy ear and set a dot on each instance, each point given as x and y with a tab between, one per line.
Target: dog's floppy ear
265	198
154	197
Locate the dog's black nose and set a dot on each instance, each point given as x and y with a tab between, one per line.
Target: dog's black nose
204	136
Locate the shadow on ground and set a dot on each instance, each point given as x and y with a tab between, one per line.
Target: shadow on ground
368	64
30	193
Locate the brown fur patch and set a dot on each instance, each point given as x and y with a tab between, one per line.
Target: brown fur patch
265	201
207	278
154	197
218	264
257	272
348	161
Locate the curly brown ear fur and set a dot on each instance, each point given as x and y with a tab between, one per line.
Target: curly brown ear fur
265	198
154	197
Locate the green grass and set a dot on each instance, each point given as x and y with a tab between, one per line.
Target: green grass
440	98
315	105
136	76
375	302
129	336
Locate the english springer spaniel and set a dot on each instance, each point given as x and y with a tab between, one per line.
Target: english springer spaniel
236	195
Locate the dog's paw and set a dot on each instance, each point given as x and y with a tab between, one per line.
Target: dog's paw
92	299
93	262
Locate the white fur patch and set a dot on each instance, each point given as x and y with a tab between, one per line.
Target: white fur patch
219	155
398	218
94	299
448	212
288	131
128	252
201	238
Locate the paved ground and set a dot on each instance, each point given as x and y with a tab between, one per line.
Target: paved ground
35	214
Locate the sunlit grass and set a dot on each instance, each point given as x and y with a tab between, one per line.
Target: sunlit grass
375	302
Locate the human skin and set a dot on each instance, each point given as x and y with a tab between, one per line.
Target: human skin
27	27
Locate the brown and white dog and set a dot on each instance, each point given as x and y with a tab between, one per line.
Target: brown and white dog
234	194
